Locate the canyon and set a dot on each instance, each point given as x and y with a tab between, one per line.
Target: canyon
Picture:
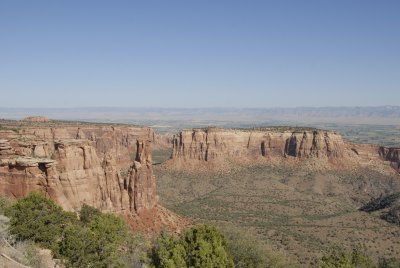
296	189
277	182
109	166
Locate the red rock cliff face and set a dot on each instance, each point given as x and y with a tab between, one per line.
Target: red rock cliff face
119	141
76	165
211	144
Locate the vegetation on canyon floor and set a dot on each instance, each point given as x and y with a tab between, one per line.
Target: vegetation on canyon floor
95	239
300	211
388	205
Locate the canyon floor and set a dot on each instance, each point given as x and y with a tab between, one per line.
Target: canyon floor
298	211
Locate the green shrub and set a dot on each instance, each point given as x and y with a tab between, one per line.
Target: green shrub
39	219
87	213
341	259
169	252
94	244
5	203
202	246
96	240
206	247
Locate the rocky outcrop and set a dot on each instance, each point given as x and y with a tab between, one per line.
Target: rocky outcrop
162	141
210	144
213	144
392	155
117	140
108	167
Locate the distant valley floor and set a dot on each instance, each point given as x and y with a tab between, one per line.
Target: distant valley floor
297	211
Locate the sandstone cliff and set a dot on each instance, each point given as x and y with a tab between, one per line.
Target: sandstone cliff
213	144
120	141
209	144
108	167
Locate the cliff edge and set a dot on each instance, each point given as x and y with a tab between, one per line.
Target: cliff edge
107	167
211	145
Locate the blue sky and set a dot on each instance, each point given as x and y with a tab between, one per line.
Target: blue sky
199	53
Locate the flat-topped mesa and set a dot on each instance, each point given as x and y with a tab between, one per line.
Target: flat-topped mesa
36	119
108	167
213	143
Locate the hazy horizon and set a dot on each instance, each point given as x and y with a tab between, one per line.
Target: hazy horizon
382	115
202	107
199	54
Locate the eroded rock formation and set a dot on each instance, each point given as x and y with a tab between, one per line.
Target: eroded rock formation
209	144
108	167
212	144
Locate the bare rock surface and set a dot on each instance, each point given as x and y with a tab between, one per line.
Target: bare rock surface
105	166
209	144
213	145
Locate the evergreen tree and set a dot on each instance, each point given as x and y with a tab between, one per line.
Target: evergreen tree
200	247
39	219
94	243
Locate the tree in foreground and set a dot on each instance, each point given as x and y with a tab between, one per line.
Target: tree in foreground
95	242
202	246
39	219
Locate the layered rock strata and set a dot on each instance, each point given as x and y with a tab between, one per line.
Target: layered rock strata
209	144
212	144
108	167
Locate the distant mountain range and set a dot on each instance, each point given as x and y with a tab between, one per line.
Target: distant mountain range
373	115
